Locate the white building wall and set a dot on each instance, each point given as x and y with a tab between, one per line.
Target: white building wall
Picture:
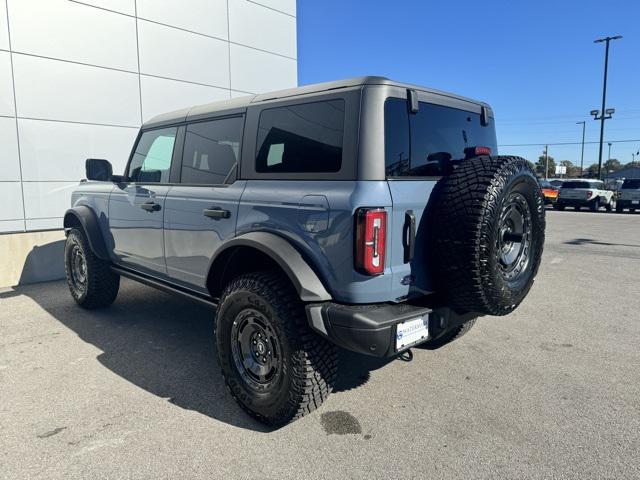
77	78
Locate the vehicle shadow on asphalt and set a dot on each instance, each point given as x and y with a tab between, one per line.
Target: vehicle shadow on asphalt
166	346
591	241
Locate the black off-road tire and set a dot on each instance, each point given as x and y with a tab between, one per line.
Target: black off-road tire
466	216
609	206
101	284
448	337
308	362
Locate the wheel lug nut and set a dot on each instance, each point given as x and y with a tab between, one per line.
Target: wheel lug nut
264	359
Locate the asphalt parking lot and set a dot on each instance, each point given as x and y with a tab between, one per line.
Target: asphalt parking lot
552	391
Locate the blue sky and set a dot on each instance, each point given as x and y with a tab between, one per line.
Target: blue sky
534	61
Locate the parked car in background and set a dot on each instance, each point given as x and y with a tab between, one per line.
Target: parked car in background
629	196
557	182
549	192
589	193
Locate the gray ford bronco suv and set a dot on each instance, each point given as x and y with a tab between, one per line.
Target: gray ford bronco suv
365	214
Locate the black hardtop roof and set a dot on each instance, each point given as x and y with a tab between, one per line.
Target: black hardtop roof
201	111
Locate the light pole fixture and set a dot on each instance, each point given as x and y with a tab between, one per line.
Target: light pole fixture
605	112
584	124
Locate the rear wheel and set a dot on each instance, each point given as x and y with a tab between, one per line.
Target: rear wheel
487	234
595	205
274	365
91	281
450	336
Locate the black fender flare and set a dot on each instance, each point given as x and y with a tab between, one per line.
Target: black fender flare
89	223
307	284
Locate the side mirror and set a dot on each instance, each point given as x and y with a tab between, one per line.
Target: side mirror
99	170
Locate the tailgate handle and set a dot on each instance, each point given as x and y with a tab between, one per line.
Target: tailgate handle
409	235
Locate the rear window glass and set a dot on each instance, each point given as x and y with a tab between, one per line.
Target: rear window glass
417	144
631	184
575	185
305	138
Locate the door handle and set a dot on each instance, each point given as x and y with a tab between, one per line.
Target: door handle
216	212
150	206
409	235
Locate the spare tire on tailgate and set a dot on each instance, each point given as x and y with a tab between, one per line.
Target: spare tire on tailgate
486	234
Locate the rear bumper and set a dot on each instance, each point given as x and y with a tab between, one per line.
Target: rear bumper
371	329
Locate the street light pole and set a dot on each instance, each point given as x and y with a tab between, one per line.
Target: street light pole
604	97
609	156
584	124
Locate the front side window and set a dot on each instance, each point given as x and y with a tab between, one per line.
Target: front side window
151	162
433	135
631	184
211	151
305	138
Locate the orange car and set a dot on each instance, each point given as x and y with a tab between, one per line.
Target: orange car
549	192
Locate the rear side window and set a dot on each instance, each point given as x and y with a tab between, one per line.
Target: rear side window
211	151
416	144
631	184
151	160
305	138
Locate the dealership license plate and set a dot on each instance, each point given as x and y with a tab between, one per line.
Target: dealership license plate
411	332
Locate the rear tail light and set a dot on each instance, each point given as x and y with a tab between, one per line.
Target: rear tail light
589	193
371	233
471	152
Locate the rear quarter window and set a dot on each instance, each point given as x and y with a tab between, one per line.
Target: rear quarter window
304	138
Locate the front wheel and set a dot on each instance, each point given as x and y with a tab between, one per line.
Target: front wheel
609	206
274	365
91	281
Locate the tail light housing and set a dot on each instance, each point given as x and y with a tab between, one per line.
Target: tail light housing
589	193
371	234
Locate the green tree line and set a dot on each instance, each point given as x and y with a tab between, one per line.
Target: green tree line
573	171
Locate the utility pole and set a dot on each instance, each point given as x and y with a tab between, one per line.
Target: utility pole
546	161
604	112
584	124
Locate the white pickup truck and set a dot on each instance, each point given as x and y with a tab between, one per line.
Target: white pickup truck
629	196
590	193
